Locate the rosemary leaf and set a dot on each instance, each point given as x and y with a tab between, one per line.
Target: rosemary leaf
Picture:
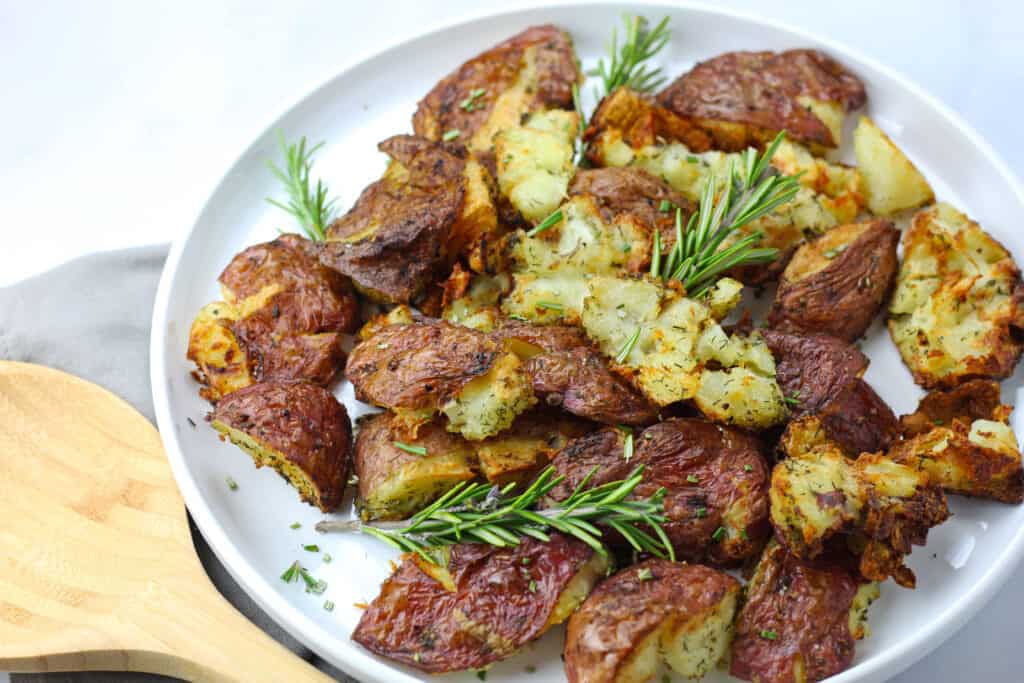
310	206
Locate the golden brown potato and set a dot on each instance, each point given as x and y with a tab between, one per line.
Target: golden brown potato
976	399
579	382
395	479
406	229
891	181
539	338
281	318
956	313
837	283
636	120
424	368
886	507
634	192
531	71
652	612
801	618
295	427
520	452
716	481
962	439
743	99
451	617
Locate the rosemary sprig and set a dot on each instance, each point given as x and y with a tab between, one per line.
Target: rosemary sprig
625	64
752	189
481	513
310	206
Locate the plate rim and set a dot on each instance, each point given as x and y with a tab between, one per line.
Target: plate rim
361	663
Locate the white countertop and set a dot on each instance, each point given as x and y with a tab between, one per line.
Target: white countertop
121	116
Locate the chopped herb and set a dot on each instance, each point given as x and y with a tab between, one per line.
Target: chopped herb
645	574
938	421
769	635
719	532
290	573
627	348
701	513
832	253
531	669
665	206
327	557
526	560
450	135
550	305
627	448
626	248
232	484
520	318
191	422
415	450
692	478
313	585
295	525
328	605
743	535
482	675
692	159
748	468
793	400
552	220
532	586
470	103
312	548
656	255
665	678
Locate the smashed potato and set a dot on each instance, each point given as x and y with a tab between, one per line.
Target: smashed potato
963	440
838	282
744	99
956	312
406	229
424	368
532	71
891	181
281	318
297	428
394	479
450	618
520	452
715	480
534	162
551	269
670	343
886	506
652	612
801	618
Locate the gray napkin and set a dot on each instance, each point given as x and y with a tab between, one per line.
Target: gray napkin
91	317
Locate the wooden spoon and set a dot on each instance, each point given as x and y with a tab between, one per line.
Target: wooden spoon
98	570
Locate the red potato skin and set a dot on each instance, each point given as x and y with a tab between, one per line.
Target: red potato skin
759	91
417	621
704	468
625	608
303	422
579	382
806	606
314	298
394	242
843	298
419	365
976	399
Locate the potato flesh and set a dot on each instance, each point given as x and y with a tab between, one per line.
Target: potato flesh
677	338
692	648
891	180
534	162
954	300
488	404
551	269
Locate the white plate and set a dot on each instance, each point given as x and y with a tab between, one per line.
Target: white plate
966	559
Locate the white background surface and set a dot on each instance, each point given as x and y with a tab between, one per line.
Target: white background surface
120	118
